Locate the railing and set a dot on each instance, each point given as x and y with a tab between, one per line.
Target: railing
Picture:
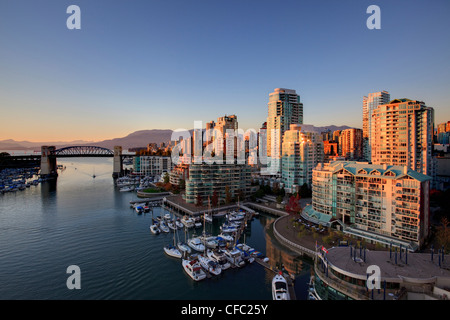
292	245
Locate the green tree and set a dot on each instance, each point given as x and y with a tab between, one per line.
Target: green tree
166	178
279	199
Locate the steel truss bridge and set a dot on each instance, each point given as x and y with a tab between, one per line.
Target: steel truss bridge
66	152
82	151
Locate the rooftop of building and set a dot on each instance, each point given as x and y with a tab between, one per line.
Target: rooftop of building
411	266
367	169
284	90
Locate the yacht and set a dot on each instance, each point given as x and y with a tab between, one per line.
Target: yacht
196	244
197	223
209	241
193	269
154	229
184	248
245	252
187	222
228	229
209	265
163	227
280	289
171	225
126	189
236	216
219	257
178	223
225	237
234	257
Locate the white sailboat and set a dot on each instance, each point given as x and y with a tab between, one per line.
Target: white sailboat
172	250
183	246
154	227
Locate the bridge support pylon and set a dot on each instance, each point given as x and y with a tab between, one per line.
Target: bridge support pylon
117	162
48	162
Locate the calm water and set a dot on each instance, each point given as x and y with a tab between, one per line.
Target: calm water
88	222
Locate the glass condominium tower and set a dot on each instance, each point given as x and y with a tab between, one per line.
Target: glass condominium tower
285	109
371	102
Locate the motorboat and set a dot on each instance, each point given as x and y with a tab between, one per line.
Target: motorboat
234	257
236	216
197	223
209	241
184	247
196	244
178	223
188	222
154	229
126	189
228	229
172	251
163	227
225	237
209	265
245	252
219	257
171	225
193	269
280	289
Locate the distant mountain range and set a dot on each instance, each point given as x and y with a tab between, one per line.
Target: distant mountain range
136	139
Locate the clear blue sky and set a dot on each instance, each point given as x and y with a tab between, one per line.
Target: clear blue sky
138	65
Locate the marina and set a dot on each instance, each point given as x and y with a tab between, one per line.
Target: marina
118	254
